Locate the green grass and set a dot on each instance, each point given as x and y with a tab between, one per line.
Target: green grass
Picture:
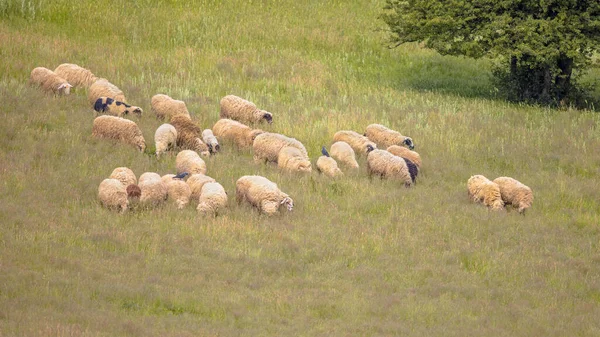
355	257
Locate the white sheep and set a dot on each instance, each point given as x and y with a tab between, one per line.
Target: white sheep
262	193
165	138
404	152
179	192
209	139
481	190
328	165
113	195
103	88
76	75
49	81
343	153
292	159
386	137
107	105
235	132
125	175
213	198
267	145
239	109
196	181
119	129
515	193
357	141
154	191
189	161
386	165
166	107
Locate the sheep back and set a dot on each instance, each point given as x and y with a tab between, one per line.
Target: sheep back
386	165
292	159
267	145
113	195
212	198
386	137
189	161
165	138
49	81
164	106
237	108
76	75
235	132
262	193
515	193
404	152
482	190
189	135
119	129
154	191
196	181
358	142
125	175
103	88
328	166
179	192
343	153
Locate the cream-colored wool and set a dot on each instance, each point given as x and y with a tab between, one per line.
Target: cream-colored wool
213	198
484	191
267	145
209	139
239	109
343	153
165	107
235	132
189	161
103	88
165	138
154	191
49	81
196	181
167	178
329	167
292	159
386	165
108	106
357	141
148	176
515	193
404	152
262	193
189	135
124	175
76	75
386	137
119	129
179	192
113	195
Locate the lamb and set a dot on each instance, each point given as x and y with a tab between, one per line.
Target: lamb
189	161
179	192
482	190
124	175
212	199
261	193
328	165
113	195
343	153
76	75
292	159
209	139
267	145
120	129
154	191
239	134
244	111
386	165
196	181
166	107
188	135
387	137
49	81
403	152
357	141
115	108
165	138
103	88
515	193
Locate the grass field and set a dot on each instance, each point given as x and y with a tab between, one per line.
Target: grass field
355	257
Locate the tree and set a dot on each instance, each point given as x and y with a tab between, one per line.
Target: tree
538	43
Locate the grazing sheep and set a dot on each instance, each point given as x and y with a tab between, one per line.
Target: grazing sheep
113	195
189	135
403	152
115	108
343	153
387	137
179	192
209	139
196	181
166	107
328	165
482	190
165	138
212	199
515	193
261	193
76	75
189	161
357	141
49	81
103	88
239	134
291	159
386	165
154	191
244	111
133	193
124	175
267	145
120	129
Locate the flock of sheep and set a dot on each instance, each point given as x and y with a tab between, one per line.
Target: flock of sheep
236	126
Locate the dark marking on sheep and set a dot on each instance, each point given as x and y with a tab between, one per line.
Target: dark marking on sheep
268	117
412	169
99	105
408	142
370	148
134	191
324	151
118	103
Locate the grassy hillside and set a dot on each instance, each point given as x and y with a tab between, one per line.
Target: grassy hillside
355	257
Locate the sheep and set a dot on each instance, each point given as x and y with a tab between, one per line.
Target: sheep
291	159
357	141
115	108
189	161
481	190
343	153
124	175
167	178
179	192
211	141
133	193
120	129
103	88
212	199
188	135
404	152
166	107
165	138
328	165
515	193
196	181
261	193
386	165
154	191
113	195
239	134
244	111
387	137
49	81
267	145
76	75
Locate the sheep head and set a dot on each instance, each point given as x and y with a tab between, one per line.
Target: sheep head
408	142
